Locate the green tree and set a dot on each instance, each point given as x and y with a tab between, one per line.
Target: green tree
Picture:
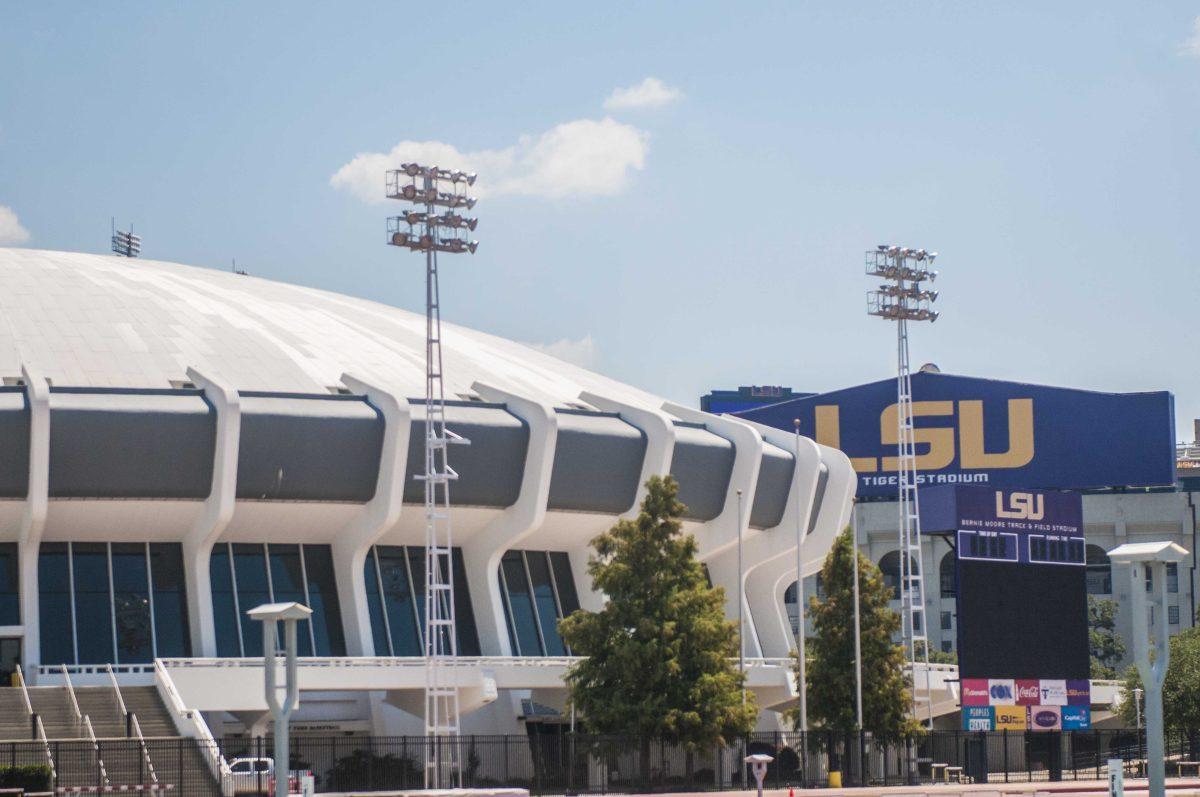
659	657
1181	689
886	696
1105	644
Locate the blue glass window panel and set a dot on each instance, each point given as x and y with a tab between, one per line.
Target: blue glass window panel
375	606
564	579
250	575
521	605
225	614
464	615
93	609
54	604
174	636
131	603
547	606
323	600
416	566
10	591
287	585
398	601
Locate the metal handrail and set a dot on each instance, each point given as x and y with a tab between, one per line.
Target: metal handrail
91	734
416	662
24	691
117	689
217	763
71	692
41	731
137	729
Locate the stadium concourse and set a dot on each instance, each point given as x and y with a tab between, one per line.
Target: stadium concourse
184	444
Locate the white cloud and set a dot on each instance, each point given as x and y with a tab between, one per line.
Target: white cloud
1191	47
580	352
650	93
585	157
11	231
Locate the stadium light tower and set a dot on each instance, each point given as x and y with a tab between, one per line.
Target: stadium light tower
125	244
903	298
435	229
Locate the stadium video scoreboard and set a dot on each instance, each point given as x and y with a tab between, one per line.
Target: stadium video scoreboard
1021	586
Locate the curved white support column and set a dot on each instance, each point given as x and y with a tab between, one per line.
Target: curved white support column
721	532
660	439
218	511
833	515
718	538
660	447
381	513
33	520
482	553
773	552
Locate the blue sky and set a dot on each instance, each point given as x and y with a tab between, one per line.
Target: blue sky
707	232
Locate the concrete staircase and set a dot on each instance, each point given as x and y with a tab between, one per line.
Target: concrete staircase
175	760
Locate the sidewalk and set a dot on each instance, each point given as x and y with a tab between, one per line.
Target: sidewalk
1178	787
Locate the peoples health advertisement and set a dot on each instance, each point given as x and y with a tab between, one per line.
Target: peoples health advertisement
992	433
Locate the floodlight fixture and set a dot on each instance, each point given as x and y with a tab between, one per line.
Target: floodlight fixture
125	243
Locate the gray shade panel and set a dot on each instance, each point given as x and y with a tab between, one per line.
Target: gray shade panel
702	464
772	488
130	444
489	469
597	461
308	448
14	431
818	498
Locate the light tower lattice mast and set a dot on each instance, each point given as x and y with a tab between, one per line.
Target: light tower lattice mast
904	298
432	232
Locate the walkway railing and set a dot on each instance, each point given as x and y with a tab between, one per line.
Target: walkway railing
38	727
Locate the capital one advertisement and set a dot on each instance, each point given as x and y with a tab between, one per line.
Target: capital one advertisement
992	433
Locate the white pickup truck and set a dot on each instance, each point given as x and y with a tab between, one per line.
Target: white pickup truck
257	776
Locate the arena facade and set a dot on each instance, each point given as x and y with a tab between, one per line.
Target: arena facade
184	444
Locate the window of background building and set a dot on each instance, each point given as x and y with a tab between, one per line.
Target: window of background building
1173	615
1099	571
947	576
1172	578
889	566
947	646
538	591
111	602
10	592
395	577
947	621
245	575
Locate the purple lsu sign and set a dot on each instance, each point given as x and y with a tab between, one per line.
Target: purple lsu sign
1019	526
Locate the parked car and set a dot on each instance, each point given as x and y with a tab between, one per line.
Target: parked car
257	776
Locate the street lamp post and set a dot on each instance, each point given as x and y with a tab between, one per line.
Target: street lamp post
270	615
1151	558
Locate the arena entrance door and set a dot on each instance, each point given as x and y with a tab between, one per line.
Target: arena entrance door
10	657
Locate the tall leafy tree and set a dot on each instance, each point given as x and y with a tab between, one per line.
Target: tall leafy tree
1104	643
658	658
886	696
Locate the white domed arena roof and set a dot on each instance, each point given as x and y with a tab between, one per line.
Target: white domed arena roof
104	321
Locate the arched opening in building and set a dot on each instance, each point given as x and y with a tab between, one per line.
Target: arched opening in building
1099	571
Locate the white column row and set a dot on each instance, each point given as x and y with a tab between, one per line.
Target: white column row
768	554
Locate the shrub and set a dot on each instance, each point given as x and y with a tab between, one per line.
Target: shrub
30	777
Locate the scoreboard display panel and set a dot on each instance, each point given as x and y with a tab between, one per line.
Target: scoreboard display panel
1022	620
1021	575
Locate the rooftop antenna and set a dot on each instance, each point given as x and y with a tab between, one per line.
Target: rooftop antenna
233	267
438	191
125	244
903	298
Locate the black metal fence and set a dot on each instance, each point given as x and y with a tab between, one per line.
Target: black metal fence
553	763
